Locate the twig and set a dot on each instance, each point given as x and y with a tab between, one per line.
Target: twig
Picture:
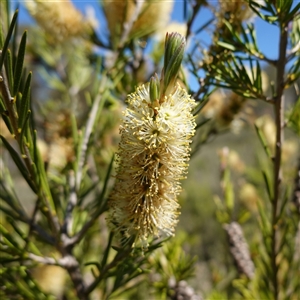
104	271
127	26
31	223
69	263
101	208
279	120
65	262
43	259
272	62
196	8
84	146
67	226
79	235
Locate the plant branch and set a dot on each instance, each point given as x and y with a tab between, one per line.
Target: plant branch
196	8
67	226
127	26
262	57
84	146
104	271
31	223
279	120
79	235
69	263
64	262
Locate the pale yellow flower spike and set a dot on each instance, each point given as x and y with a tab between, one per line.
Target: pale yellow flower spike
153	156
60	19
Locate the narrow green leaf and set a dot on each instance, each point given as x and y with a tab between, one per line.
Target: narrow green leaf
16	158
271	19
268	185
17	101
74	129
286	198
16	228
23	130
263	141
9	69
285	6
8	211
253	36
202	104
5	117
243	73
1	37
24	105
258	79
227	46
27	140
41	173
34	249
203	122
8	237
8	37
244	216
101	203
270	8
106	252
19	64
245	36
204	26
284	242
294	10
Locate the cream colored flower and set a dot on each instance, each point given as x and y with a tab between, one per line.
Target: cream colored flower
239	10
60	19
229	110
153	156
154	16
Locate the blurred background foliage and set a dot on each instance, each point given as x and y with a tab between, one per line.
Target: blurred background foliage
238	235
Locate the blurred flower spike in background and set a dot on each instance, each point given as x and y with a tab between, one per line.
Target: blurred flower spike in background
60	20
153	152
149	16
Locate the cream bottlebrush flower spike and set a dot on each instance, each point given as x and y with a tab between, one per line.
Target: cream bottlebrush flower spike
60	19
153	153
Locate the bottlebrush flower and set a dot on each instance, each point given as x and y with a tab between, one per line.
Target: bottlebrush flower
60	19
153	17
153	155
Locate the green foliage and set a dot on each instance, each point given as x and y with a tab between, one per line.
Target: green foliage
60	132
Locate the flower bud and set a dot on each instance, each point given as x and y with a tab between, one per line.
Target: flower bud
154	88
174	50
